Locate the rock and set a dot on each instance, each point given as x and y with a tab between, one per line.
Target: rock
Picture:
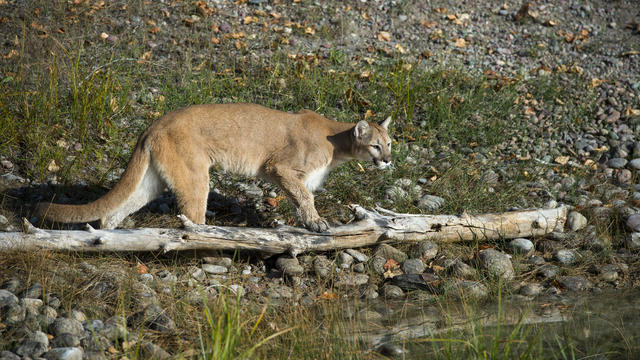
413	266
391	350
533	289
222	261
359	268
344	260
66	340
63	325
565	257
465	289
635	164
64	353
154	318
609	275
11	311
521	246
31	349
623	176
547	271
377	264
394	193
32	306
408	282
95	342
352	280
426	250
389	252
497	264
633	223
289	266
11	285
633	241
8	355
278	292
460	269
392	291
152	351
536	260
574	283
360	257
322	266
33	292
166	277
617	163
576	221
214	269
430	203
596	243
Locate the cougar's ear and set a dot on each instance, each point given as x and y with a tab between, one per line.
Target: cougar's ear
385	123
361	130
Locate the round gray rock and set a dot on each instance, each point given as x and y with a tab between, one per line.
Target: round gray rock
574	283
344	260
521	246
633	222
533	289
413	266
392	291
635	164
430	203
547	271
67	326
576	221
426	250
565	257
497	264
461	269
289	266
64	353
389	252
617	163
11	311
633	240
214	269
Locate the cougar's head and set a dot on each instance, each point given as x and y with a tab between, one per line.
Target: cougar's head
372	142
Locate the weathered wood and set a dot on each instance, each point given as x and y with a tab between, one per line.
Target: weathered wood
371	227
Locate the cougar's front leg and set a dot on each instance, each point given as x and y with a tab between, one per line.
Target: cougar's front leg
302	199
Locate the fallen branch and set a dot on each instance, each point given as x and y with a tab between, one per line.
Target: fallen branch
371	227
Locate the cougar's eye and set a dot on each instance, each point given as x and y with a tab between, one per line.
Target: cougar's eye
376	146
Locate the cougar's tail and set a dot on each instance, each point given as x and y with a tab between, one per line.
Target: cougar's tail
110	202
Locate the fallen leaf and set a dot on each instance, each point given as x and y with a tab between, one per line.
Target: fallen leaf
240	44
428	24
384	36
154	30
632	112
104	36
272	202
461	42
188	22
440	10
369	113
53	167
400	49
551	22
562	160
327	296
523	12
309	31
390	264
629	53
203	9
249	19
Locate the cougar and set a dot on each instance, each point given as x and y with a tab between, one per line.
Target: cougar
293	150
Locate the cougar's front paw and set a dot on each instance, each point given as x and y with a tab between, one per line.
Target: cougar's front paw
317	225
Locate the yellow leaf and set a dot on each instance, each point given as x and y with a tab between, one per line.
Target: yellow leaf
632	112
461	42
595	82
384	36
249	19
562	160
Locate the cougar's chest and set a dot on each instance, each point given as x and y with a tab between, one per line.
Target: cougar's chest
316	178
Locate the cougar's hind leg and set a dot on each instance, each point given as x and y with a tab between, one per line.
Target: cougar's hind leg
187	175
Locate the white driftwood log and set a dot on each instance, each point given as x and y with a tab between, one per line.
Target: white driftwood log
371	227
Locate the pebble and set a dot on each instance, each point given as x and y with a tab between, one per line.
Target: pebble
617	163
466	289
497	264
64	353
352	280
633	223
359	268
574	283
633	241
322	266
392	291
413	266
289	266
67	326
430	203
214	269
377	264
344	260
565	257
533	289
576	221
33	292
547	271
389	252
462	270
521	246
635	164
32	306
360	257
425	250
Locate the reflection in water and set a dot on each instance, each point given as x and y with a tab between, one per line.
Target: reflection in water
575	325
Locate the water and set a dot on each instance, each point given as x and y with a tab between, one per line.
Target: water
576	326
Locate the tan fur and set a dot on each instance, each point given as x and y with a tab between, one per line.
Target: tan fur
295	151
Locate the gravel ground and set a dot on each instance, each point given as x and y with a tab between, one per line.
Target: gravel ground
599	40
